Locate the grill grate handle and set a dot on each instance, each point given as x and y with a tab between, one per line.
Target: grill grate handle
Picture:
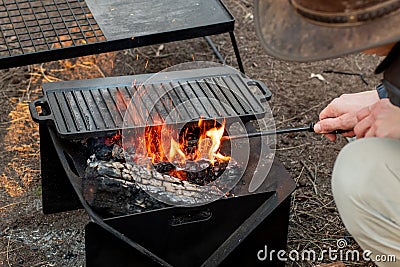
46	113
263	88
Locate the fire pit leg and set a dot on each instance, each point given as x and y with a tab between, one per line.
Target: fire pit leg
58	195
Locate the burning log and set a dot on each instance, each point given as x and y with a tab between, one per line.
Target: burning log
117	188
110	189
172	189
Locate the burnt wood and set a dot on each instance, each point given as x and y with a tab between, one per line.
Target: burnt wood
110	189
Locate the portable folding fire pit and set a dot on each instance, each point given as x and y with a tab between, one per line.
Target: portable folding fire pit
229	230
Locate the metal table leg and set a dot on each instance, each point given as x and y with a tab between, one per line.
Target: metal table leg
236	49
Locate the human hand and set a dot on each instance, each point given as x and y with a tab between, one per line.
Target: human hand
341	113
379	120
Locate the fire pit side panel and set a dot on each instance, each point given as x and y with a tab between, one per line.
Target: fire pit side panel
103	249
58	195
270	235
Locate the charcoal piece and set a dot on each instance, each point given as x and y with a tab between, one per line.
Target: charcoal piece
199	172
98	147
208	174
164	167
104	153
118	153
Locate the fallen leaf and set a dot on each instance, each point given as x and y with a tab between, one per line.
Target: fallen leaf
160	48
318	76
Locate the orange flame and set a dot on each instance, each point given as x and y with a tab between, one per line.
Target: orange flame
207	145
216	134
176	153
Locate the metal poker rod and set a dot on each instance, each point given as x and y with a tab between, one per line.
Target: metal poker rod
309	128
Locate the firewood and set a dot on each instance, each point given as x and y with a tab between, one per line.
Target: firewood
110	190
122	188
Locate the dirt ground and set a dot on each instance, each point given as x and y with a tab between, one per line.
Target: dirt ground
29	238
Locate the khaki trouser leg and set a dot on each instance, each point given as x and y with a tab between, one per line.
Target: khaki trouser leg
366	188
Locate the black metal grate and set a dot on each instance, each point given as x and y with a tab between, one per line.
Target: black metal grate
33	26
97	106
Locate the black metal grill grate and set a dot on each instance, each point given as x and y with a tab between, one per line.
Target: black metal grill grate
33	26
97	106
